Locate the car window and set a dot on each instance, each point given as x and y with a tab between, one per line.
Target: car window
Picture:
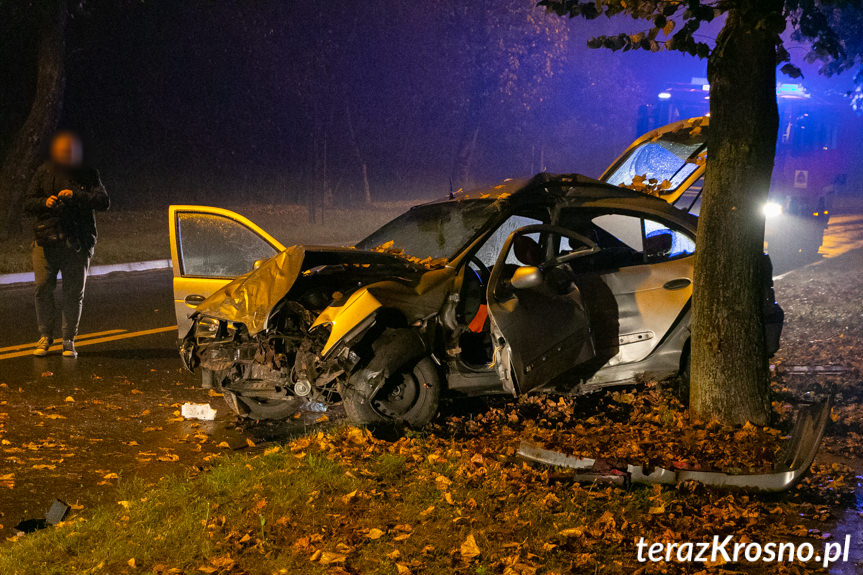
690	200
216	246
490	250
434	231
625	229
662	160
624	240
663	243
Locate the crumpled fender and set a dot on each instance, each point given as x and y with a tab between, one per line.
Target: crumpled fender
394	349
356	314
250	298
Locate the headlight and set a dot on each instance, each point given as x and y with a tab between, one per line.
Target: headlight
771	209
207	328
212	329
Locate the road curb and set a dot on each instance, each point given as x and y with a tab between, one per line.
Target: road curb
27	277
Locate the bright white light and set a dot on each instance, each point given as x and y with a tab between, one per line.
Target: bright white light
664	95
771	209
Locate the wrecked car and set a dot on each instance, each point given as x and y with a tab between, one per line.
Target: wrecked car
558	283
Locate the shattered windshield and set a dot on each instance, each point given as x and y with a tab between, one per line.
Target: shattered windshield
433	231
671	158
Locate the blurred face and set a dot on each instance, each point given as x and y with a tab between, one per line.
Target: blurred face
66	150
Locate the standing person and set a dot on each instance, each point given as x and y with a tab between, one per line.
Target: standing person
62	197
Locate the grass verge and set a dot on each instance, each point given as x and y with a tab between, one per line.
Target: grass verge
453	499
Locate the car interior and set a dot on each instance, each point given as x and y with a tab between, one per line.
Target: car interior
624	240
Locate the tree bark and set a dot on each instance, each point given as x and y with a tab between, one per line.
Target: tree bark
729	364
28	144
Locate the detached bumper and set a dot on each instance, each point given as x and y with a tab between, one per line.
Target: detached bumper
788	470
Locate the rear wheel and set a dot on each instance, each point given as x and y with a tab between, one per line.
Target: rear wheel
408	396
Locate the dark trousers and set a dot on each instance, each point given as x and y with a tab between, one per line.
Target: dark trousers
73	264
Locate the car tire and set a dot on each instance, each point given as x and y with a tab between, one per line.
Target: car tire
409	396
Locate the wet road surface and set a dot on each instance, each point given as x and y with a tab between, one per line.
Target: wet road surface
76	429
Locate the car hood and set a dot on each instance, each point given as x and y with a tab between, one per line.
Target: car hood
250	298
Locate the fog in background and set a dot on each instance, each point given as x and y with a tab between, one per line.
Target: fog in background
263	101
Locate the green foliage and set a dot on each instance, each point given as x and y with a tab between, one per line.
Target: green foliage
833	29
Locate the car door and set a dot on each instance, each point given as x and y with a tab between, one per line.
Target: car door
645	266
541	330
209	248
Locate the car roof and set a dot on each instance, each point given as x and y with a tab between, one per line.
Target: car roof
572	190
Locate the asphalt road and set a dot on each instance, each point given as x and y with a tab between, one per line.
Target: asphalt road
76	429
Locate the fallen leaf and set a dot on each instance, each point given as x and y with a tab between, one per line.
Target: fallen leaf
375	533
328	557
131	562
469	548
347	498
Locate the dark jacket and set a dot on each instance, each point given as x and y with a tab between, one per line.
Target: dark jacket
76	214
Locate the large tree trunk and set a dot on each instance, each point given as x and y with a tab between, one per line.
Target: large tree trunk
28	144
729	364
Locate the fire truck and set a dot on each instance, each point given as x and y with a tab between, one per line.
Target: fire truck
817	134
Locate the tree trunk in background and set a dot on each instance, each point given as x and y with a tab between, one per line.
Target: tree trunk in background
24	153
729	365
367	191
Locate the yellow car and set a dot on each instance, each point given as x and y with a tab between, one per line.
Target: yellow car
558	283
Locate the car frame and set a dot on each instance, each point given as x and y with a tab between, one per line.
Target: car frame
387	333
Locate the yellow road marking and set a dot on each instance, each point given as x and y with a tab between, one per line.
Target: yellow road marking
80	336
93	341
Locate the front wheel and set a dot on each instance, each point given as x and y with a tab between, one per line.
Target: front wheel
408	396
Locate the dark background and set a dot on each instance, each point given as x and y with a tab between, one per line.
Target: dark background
239	101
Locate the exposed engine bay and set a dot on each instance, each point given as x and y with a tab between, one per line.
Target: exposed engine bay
308	346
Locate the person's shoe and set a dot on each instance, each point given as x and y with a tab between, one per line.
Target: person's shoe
69	348
42	346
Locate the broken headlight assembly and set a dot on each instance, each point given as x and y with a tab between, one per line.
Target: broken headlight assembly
212	330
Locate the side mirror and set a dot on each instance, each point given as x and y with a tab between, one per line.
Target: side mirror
257	264
527	277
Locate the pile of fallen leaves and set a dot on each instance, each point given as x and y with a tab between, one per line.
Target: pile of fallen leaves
453	499
647	427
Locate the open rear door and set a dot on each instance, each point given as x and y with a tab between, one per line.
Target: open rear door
209	248
536	307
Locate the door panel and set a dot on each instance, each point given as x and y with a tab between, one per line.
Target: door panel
209	248
646	307
545	327
638	283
